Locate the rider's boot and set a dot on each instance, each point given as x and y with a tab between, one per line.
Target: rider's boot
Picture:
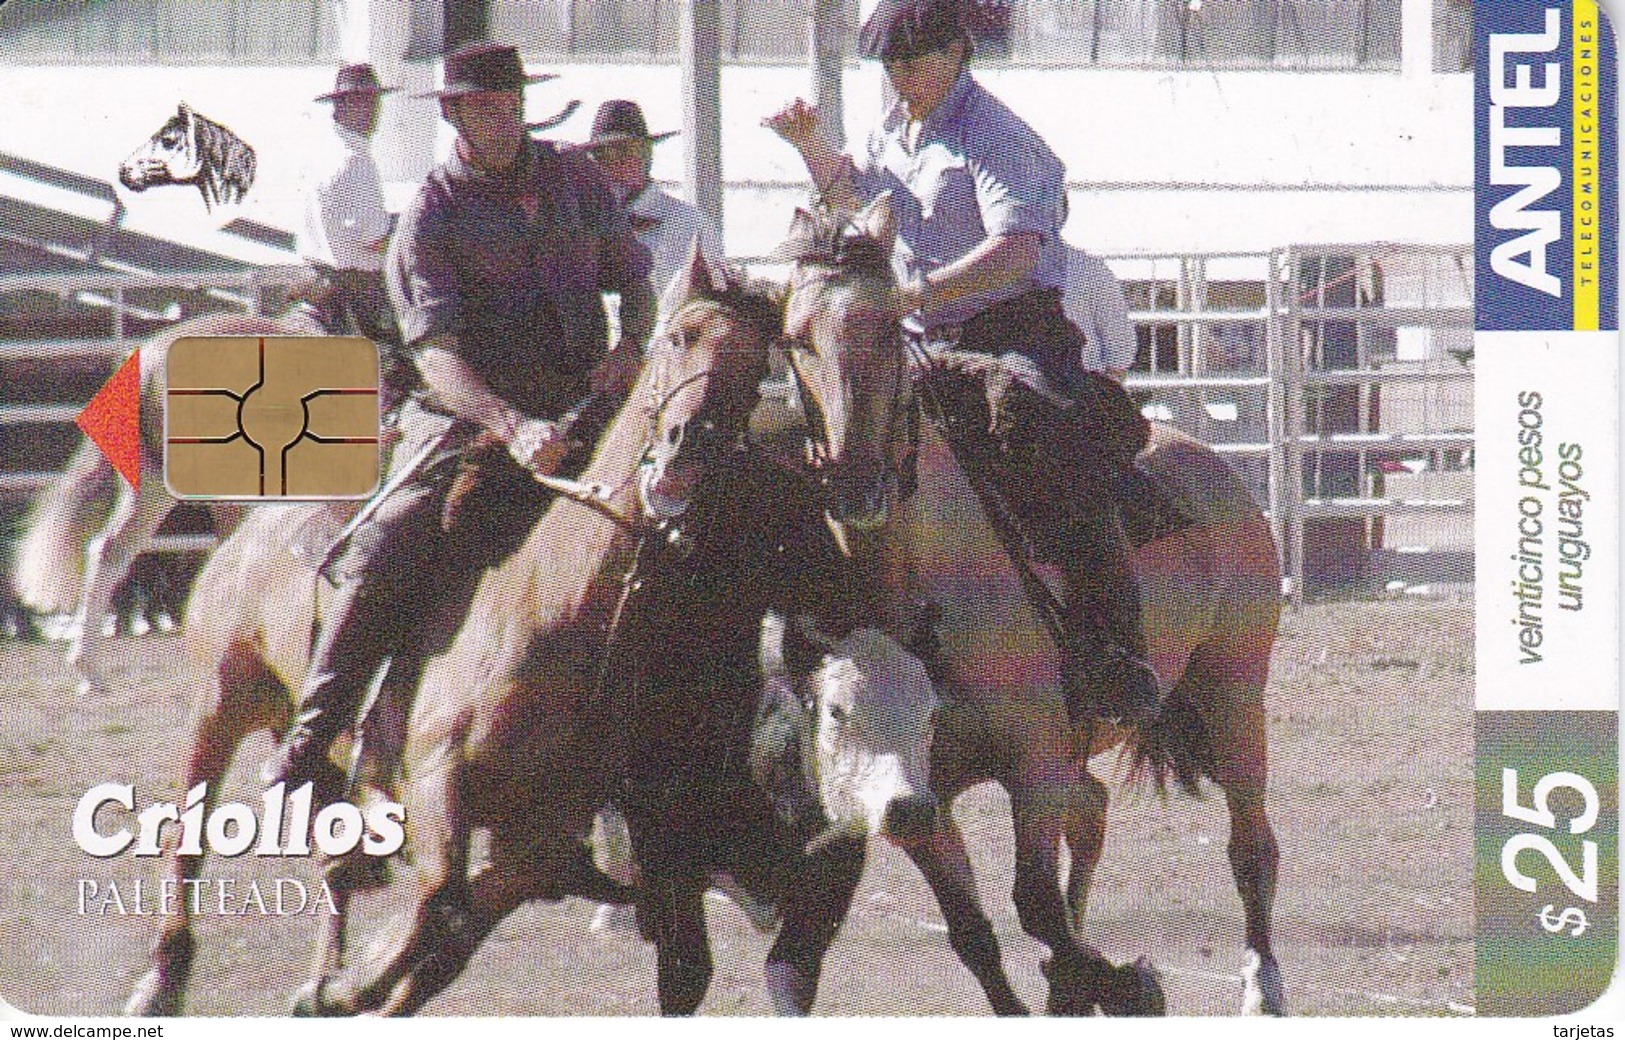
352	646
1108	663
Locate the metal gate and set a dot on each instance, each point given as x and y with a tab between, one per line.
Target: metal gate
1254	353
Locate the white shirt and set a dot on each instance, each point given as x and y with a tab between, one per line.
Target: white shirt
344	206
1094	300
667	226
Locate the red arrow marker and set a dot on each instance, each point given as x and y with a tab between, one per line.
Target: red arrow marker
112	420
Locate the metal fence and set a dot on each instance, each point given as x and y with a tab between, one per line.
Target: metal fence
123	299
1306	34
1336	380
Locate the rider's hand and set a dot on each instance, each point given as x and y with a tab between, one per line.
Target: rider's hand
616	374
796	122
539	445
913	296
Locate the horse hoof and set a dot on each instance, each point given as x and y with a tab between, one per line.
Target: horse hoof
91	686
307	1000
1262	991
1144	997
790	990
154	997
1070	994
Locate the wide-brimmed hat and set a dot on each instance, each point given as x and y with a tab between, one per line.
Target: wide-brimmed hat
621	120
354	80
481	68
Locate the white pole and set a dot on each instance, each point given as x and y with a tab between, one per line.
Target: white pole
699	39
379	31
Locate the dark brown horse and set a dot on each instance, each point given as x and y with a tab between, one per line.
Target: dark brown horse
1211	594
721	781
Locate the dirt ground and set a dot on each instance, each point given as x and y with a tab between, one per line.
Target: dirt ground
1371	797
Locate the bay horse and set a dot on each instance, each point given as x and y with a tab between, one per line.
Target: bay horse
1211	606
86	530
191	149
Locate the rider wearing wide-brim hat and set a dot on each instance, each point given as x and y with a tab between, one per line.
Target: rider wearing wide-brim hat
356	81
622	146
980	200
497	274
346	224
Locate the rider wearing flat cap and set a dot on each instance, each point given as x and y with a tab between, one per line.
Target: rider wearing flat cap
980	201
496	273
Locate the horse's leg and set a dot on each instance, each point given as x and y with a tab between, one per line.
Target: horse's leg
329	953
947	869
345	876
514	873
130	528
1232	705
673	902
1085	831
814	907
247	697
437	846
1079	976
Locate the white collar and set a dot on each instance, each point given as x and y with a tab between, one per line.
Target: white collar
652	202
351	140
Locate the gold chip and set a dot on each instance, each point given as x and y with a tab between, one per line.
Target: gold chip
272	417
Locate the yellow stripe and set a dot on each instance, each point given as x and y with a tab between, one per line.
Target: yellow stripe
1586	43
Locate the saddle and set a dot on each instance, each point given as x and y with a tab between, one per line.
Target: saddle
1056	444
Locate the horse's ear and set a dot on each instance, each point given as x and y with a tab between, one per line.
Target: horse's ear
692	282
803	233
879	220
700	274
803	227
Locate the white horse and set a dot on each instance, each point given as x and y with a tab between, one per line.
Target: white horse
86	530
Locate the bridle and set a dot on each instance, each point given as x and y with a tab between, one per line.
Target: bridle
720	424
846	251
707	437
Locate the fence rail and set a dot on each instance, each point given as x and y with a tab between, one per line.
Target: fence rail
1277	386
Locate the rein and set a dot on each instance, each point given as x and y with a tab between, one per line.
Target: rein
594	496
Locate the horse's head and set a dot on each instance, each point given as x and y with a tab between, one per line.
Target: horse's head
855	717
703	378
170	156
846	351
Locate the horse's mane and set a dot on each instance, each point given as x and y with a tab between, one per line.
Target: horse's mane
759	303
827	235
226	163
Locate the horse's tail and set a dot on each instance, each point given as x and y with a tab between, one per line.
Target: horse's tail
50	560
1176	746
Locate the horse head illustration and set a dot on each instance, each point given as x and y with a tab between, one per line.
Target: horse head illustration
192	149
